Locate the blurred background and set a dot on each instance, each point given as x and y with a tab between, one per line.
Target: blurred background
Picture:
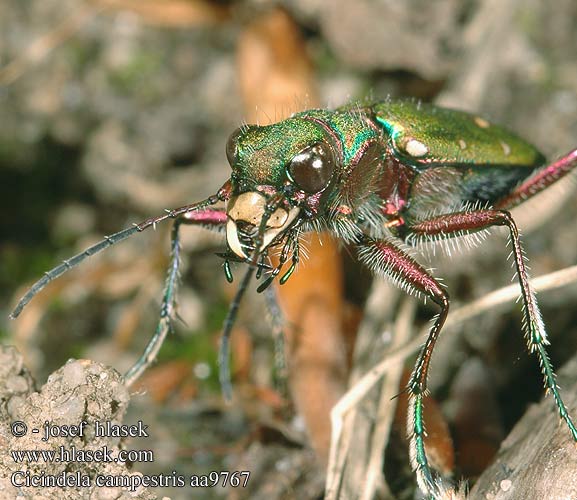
113	110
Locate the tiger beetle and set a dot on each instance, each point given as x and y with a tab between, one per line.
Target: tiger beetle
382	178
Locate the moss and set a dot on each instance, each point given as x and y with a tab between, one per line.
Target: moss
138	76
199	347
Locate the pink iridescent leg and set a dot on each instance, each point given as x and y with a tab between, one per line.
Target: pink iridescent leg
209	218
384	258
542	179
457	224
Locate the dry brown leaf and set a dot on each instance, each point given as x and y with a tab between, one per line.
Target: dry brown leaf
438	441
275	74
276	80
241	347
475	416
173	13
163	380
318	365
270	397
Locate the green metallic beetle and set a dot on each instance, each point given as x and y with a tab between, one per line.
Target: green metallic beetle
380	177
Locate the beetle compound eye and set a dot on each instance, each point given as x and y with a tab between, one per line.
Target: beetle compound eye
232	147
312	168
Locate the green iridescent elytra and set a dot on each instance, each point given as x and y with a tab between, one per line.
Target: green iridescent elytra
452	137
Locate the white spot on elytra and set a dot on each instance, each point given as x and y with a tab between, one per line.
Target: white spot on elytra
462	144
505	484
506	148
481	122
416	148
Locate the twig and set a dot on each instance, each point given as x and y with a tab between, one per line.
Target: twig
386	409
342	420
501	297
44	44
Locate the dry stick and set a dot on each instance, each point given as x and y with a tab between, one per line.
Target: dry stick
386	407
342	423
44	44
551	281
342	429
483	39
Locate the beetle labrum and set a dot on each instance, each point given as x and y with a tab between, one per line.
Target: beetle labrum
382	178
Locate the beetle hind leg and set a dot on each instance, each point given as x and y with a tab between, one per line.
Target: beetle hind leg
540	180
450	225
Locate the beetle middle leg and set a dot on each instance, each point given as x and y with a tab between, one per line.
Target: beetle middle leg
385	258
209	218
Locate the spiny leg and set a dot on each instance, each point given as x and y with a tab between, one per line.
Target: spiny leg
283	257
276	320
295	261
213	219
223	362
108	241
166	311
254	262
540	180
384	258
458	223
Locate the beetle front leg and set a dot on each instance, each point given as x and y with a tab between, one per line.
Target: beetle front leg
458	223
210	218
385	258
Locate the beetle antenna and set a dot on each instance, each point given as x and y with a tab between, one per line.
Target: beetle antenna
108	241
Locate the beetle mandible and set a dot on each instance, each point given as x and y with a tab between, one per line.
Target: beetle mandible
381	177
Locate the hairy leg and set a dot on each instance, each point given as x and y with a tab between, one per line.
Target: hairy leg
475	220
209	218
460	224
385	258
542	179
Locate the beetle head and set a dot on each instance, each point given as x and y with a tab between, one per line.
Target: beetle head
280	175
